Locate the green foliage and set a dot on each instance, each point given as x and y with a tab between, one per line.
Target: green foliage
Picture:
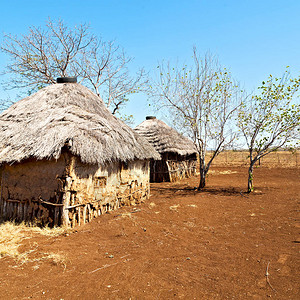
128	119
271	118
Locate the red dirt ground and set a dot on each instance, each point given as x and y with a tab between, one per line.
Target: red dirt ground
179	244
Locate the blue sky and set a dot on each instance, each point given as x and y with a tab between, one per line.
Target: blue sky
251	38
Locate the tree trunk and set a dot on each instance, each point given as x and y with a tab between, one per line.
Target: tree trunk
250	178
202	175
202	181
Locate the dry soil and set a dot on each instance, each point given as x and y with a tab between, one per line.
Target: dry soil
180	244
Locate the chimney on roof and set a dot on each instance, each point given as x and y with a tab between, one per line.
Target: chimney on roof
66	80
150	117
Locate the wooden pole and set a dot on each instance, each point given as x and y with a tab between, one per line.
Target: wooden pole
66	202
79	216
4	211
56	215
89	212
66	198
2	202
84	214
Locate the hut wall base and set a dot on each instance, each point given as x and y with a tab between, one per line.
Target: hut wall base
85	213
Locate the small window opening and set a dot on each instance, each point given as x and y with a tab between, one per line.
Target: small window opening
100	182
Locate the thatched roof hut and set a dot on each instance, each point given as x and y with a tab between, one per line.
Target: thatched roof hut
61	147
178	152
40	125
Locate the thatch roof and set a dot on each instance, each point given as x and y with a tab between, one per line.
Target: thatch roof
164	138
68	113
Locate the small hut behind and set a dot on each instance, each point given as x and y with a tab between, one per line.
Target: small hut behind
65	159
179	155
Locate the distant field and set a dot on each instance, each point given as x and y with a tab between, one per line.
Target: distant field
275	159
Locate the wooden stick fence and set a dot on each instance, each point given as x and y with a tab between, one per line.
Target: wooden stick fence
34	210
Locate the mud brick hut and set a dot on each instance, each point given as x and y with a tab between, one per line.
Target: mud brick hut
179	155
65	159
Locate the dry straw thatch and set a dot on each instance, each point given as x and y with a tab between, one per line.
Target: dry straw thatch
164	138
68	114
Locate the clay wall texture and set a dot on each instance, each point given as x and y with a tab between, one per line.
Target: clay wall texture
97	190
68	192
173	167
24	185
32	179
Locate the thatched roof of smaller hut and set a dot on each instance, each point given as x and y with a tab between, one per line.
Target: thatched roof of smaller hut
68	114
164	138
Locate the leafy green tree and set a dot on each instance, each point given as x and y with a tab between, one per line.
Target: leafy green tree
270	119
201	101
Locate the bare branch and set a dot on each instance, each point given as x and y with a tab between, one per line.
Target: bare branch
38	58
201	100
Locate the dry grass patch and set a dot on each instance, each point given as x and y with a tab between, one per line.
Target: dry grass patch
190	224
12	235
192	205
126	215
152	205
174	207
226	172
55	258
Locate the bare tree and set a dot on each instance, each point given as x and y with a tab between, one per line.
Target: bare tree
201	100
270	119
38	58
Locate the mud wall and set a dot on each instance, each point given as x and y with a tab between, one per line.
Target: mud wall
68	192
95	190
27	187
181	169
173	167
1	171
159	171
